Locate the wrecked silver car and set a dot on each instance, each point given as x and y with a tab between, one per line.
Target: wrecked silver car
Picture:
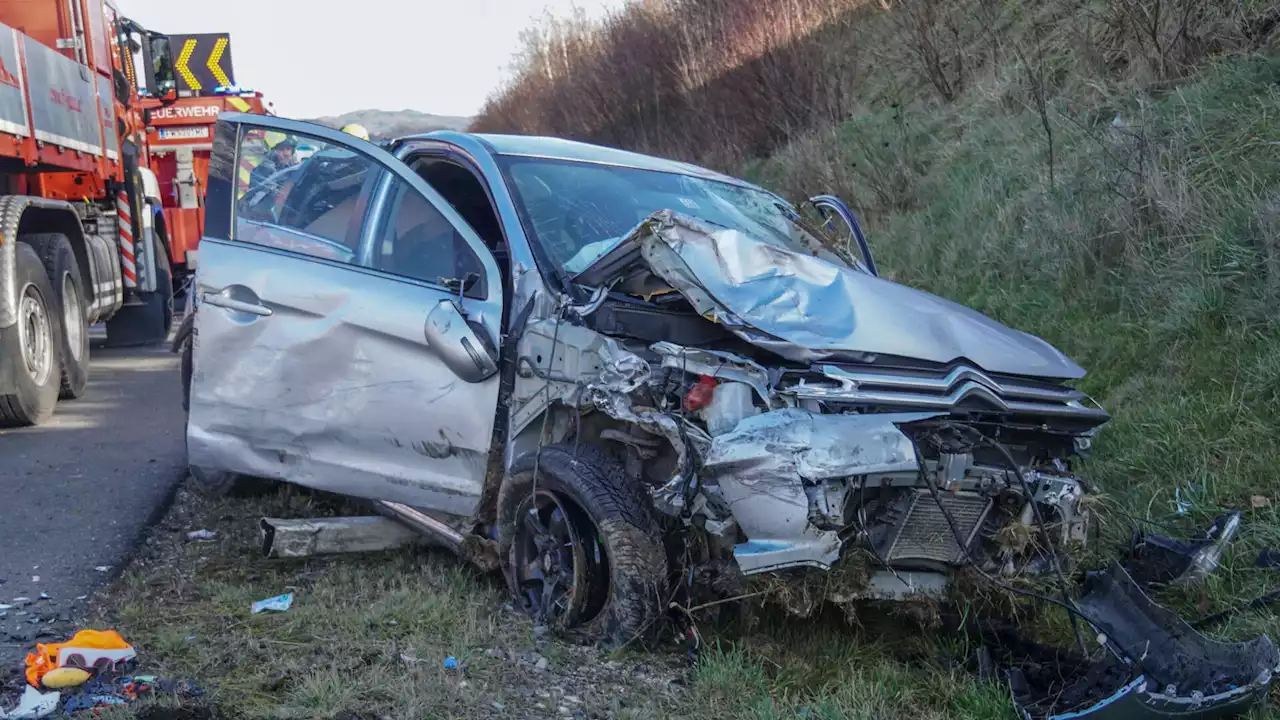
616	377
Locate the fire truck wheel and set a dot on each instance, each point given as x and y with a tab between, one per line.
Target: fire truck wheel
149	322
63	269
29	350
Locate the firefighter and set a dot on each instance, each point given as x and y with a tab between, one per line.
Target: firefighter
281	154
356	129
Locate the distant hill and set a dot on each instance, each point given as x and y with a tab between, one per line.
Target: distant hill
384	124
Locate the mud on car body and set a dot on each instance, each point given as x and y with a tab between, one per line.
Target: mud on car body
615	376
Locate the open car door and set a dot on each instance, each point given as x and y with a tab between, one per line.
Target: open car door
347	320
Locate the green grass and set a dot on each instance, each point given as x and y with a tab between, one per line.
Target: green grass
367	636
1162	280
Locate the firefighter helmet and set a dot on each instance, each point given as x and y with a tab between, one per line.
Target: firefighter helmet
274	139
356	129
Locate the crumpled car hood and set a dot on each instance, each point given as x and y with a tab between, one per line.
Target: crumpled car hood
806	308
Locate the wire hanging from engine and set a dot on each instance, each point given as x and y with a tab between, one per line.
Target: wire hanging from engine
1066	603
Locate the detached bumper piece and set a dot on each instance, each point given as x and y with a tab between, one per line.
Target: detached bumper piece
1162	667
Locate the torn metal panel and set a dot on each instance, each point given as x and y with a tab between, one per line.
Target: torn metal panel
294	538
554	360
810	548
805	307
763	465
794	443
579	367
623	373
717	364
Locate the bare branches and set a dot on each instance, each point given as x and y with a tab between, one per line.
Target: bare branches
1036	70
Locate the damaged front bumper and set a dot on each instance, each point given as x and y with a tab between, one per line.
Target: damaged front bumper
1165	668
780	479
803	486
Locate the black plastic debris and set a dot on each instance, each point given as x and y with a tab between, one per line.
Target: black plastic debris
1160	667
1157	559
1268	558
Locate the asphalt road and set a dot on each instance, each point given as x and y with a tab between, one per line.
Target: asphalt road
76	493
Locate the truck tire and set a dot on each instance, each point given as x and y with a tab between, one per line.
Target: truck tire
619	566
30	348
63	269
150	322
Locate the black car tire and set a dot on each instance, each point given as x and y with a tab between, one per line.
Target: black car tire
633	577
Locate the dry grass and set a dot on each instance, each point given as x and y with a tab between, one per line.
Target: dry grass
722	81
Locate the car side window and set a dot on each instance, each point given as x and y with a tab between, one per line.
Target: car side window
301	194
417	241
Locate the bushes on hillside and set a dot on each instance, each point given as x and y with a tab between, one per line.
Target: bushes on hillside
720	81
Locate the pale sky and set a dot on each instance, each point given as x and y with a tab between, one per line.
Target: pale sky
325	57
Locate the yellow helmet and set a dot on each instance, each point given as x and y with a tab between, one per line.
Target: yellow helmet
356	129
273	138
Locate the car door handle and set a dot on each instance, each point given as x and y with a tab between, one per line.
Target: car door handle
222	301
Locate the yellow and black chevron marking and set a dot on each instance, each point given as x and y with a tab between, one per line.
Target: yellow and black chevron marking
204	61
215	57
183	69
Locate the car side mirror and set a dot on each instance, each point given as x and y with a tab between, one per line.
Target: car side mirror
836	211
463	285
461	346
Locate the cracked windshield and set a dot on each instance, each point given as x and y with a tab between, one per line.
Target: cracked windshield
578	211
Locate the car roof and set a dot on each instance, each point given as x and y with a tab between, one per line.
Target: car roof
554	148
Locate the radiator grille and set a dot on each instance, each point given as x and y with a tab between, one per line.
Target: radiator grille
925	535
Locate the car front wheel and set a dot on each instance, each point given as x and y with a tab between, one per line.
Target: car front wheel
580	546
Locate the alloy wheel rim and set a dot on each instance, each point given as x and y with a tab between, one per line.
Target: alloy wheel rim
558	562
35	336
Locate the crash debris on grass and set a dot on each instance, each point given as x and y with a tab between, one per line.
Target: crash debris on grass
278	603
93	669
1149	663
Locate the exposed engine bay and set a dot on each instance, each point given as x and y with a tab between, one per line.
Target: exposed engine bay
786	429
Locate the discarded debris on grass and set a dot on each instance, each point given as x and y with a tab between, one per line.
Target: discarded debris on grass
93	670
